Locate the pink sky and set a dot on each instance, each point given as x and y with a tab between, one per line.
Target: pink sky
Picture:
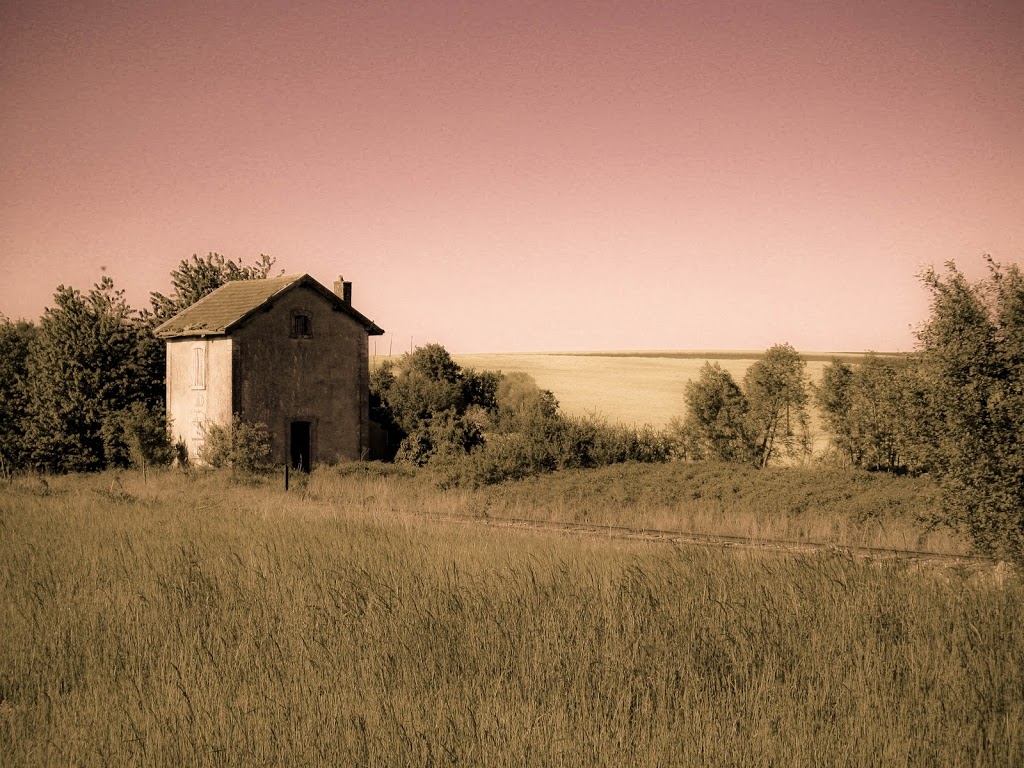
524	176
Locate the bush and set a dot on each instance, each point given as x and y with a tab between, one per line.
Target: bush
447	435
544	445
243	446
137	436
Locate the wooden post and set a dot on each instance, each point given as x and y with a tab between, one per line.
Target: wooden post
286	475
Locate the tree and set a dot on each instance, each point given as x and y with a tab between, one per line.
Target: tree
84	366
972	362
777	392
716	417
521	403
834	396
196	277
15	342
868	410
426	383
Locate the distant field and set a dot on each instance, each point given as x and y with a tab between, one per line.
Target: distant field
628	387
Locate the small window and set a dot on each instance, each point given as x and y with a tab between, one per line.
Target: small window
302	328
199	366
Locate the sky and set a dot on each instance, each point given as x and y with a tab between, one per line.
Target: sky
513	176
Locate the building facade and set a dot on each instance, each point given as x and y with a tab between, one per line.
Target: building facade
285	352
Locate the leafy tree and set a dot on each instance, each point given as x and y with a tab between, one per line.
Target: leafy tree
878	412
424	384
972	363
480	389
381	380
777	393
431	404
521	403
196	277
716	417
15	341
868	410
834	396
84	366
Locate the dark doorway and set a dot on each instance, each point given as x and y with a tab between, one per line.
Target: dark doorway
301	446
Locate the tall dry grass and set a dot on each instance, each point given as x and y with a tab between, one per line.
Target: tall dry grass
194	621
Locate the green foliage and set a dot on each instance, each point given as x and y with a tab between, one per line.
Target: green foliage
521	403
91	358
480	389
972	363
716	418
430	406
426	383
196	277
777	395
15	342
870	410
556	443
242	446
834	397
137	436
444	437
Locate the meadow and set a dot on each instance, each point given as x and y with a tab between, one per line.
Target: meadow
208	620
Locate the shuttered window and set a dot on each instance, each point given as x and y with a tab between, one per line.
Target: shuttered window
199	367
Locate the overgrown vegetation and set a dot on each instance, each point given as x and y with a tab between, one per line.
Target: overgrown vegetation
193	622
242	446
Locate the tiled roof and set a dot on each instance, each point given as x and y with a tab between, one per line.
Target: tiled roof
230	305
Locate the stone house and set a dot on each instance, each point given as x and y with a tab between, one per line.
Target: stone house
286	352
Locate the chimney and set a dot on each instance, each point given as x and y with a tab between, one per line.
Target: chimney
343	288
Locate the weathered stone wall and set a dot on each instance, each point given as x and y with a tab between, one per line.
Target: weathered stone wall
323	379
195	399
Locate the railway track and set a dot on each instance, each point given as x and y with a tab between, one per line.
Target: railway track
717	541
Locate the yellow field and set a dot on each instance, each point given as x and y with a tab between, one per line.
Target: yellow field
633	388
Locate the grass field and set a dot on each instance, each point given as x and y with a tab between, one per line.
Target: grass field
194	620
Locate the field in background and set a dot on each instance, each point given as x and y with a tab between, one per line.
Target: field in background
633	388
193	620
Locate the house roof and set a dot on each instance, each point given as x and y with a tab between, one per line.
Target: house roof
228	307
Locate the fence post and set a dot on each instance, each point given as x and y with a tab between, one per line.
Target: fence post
286	475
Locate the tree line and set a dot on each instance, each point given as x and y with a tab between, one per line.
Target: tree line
83	390
954	408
